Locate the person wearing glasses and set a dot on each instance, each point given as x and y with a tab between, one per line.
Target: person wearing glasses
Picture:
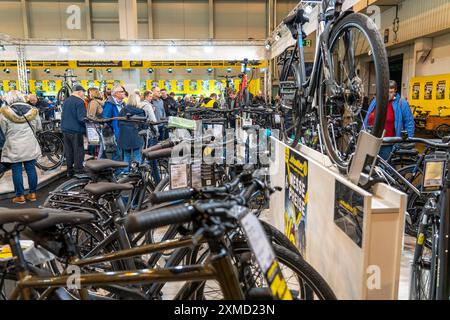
112	107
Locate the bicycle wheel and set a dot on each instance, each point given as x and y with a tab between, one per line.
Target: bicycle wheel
52	151
62	95
303	281
442	131
424	266
290	82
354	45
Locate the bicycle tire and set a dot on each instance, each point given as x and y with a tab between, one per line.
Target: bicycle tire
442	131
52	148
292	138
62	95
418	288
368	28
303	270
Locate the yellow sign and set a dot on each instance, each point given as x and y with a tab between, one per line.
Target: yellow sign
430	93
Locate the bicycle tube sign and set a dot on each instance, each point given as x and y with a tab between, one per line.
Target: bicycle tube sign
349	211
296	198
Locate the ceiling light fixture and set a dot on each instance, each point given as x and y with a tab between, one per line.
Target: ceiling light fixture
63	49
150	70
172	49
90	70
189	70
278	36
135	49
229	70
109	70
6	70
210	70
47	70
100	48
170	70
208	49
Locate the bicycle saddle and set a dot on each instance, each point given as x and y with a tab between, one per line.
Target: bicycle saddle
298	18
406	152
101	188
103	164
24	216
407	146
62	217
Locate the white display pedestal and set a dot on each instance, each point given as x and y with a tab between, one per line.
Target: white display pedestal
368	270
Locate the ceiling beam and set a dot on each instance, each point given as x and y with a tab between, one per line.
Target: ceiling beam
211	19
87	8
24	9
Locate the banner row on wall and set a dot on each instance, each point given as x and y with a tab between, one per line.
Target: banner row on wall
73	64
430	93
193	87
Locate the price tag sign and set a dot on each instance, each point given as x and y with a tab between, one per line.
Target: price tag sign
178	175
58	115
92	134
263	251
247	122
196	175
277	119
434	172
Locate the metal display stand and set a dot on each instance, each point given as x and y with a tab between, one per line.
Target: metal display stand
365	269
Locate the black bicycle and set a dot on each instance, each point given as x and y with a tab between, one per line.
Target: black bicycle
348	44
430	265
66	87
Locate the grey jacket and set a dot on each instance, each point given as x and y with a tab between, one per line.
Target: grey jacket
159	109
150	114
21	144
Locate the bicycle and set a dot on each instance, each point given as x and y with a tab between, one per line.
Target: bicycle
213	220
346	42
66	87
430	265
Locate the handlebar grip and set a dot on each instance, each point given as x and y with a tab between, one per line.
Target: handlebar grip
171	195
159	146
157	154
147	220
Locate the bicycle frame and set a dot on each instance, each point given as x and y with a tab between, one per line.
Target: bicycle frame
322	57
218	268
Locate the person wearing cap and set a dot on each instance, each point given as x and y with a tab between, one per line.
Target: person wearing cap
74	128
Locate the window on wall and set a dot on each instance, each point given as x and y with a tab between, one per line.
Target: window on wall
239	19
177	19
283	9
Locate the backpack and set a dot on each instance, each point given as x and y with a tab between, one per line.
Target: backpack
109	139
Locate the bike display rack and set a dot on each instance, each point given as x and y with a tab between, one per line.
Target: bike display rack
368	270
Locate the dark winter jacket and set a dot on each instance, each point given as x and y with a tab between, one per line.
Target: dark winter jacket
112	109
73	115
129	131
170	106
404	119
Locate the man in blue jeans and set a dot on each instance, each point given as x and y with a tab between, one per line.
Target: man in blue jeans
160	112
74	128
112	108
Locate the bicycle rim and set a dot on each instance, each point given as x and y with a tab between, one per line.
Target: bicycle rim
354	49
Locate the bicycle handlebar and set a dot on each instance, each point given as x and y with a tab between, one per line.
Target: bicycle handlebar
159	197
438	145
152	219
129	119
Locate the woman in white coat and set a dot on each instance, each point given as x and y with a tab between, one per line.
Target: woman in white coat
19	122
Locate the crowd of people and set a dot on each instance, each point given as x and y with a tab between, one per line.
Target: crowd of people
20	120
